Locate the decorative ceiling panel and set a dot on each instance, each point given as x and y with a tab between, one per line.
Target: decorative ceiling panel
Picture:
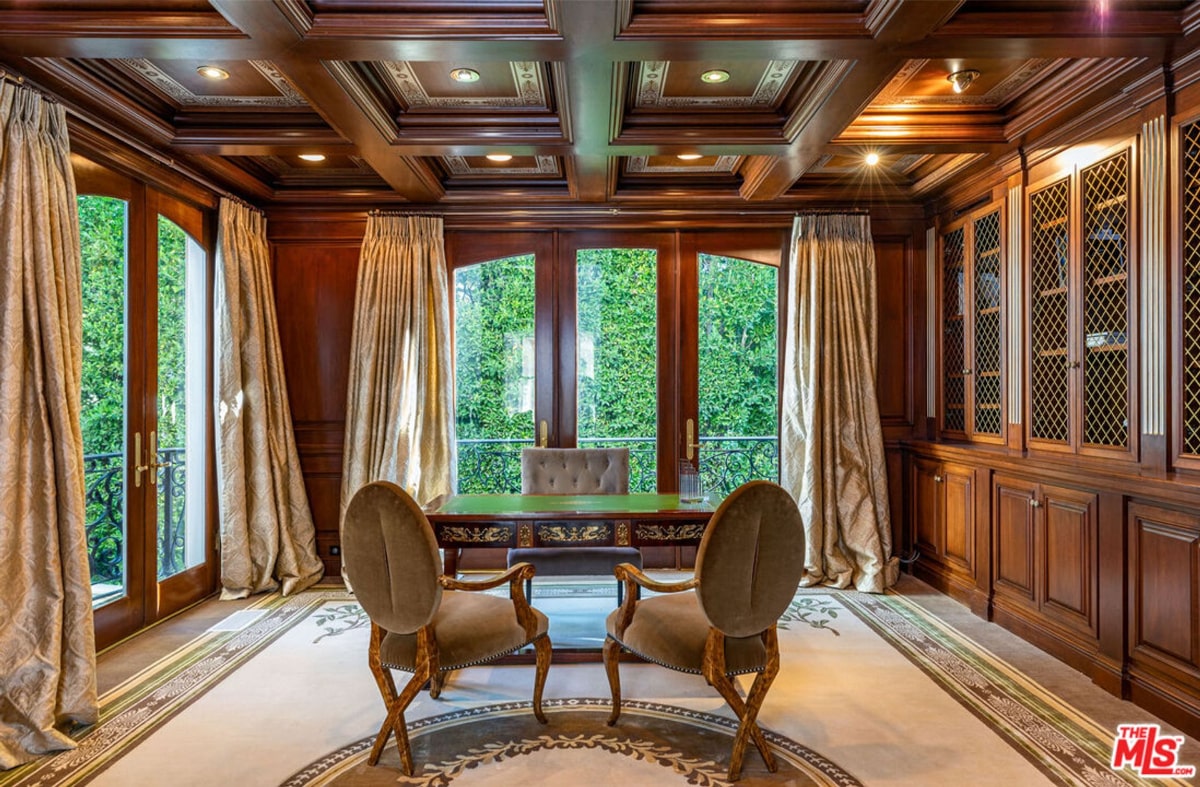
252	83
518	165
673	165
423	84
678	85
926	82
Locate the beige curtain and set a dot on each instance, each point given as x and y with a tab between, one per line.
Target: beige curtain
831	442
267	534
47	648
400	402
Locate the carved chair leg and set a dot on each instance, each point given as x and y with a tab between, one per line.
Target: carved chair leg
747	710
395	722
544	654
612	659
437	683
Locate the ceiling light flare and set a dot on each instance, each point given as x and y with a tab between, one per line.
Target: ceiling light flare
688	156
715	76
961	80
212	72
872	159
464	75
313	156
499	157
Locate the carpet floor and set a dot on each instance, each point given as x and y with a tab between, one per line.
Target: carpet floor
906	688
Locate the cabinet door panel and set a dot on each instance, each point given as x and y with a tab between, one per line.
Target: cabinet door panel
1164	565
959	518
1069	586
927	506
1014	539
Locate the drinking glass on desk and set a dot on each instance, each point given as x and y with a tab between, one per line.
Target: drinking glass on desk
690	488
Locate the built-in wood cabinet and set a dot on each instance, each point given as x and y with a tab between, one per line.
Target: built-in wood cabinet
972	388
1082	371
1044	556
943	509
1187	303
1164	609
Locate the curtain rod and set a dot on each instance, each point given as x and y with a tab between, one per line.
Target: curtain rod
19	81
847	212
404	214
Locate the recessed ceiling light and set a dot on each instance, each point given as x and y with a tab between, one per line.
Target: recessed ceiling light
714	76
961	80
212	72
464	75
872	159
499	157
313	156
687	156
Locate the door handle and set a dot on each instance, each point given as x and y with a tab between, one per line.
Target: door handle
138	468
691	445
543	435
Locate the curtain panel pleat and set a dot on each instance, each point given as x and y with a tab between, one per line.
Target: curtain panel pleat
400	398
267	536
831	440
47	646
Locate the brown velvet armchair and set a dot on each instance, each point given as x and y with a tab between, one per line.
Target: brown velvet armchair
722	622
423	622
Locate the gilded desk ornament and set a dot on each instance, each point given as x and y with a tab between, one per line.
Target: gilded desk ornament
648	532
463	534
622	535
572	534
524	534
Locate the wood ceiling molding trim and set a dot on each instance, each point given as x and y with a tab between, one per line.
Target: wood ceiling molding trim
85	96
348	76
476	24
925	129
298	14
689	19
49	23
1064	95
1116	24
811	93
1185	71
1007	90
949	170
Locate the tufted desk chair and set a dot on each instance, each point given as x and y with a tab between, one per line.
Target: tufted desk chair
423	622
721	623
575	471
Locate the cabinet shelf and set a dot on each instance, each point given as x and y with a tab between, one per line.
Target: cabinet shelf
1053	291
989	373
989	310
954	317
1057	352
1108	348
1116	278
986	253
987	406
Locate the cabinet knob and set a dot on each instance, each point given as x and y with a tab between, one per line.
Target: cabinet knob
966	371
1072	364
1035	503
937	478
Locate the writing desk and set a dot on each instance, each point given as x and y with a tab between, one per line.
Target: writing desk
638	520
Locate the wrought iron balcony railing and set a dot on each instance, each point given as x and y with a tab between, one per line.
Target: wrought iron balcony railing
494	466
104	478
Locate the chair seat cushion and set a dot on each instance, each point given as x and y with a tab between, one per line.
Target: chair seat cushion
671	630
470	628
575	561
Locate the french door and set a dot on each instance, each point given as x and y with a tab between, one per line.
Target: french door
145	388
666	343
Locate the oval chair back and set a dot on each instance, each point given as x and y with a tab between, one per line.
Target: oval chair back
392	557
751	559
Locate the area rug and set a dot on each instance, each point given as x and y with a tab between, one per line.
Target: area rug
873	690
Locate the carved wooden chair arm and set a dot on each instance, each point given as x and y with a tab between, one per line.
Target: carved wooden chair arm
633	577
515	577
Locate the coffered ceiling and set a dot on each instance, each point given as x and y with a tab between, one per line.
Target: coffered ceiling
594	101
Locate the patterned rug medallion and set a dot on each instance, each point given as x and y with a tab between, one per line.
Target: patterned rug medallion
873	689
691	746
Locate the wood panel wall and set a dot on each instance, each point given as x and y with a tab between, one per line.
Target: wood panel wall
315	264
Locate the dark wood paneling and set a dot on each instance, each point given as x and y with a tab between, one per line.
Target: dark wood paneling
959	546
1014	538
1069	584
894	277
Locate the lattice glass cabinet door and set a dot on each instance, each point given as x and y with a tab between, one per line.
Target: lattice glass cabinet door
1080	311
1188	431
971	271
